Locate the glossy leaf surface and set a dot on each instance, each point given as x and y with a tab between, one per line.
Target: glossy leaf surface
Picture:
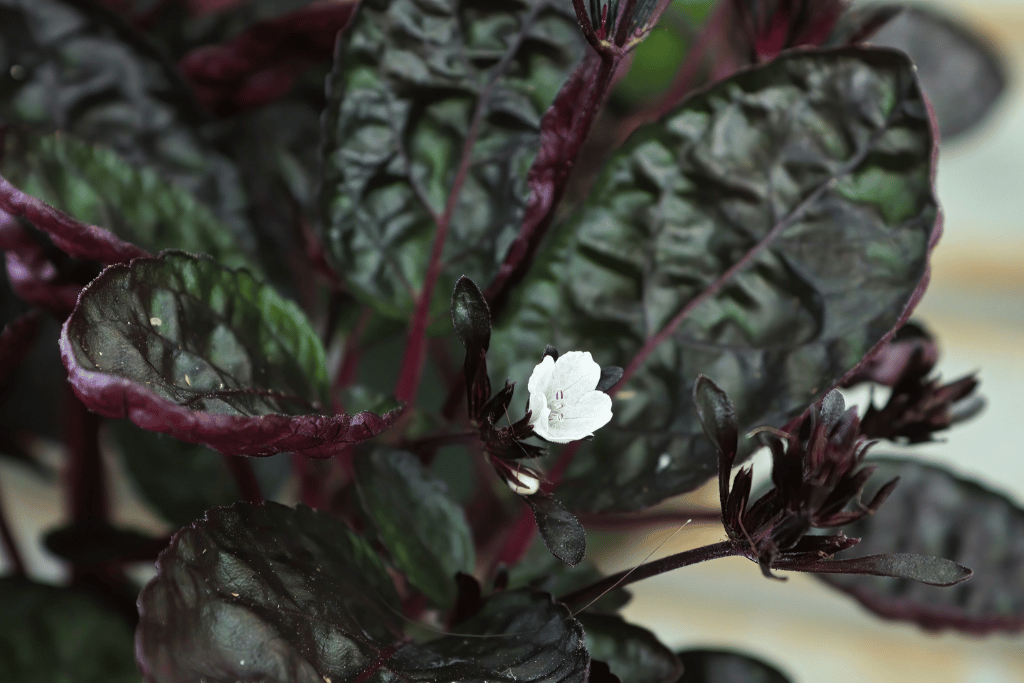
69	67
772	231
290	595
422	527
415	85
97	186
181	345
632	653
720	666
52	634
941	514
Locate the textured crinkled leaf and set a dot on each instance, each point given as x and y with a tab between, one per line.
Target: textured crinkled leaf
423	528
58	634
960	70
785	213
96	185
722	666
633	654
935	512
291	595
67	66
412	83
180	345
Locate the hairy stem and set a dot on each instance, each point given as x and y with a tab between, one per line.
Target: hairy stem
648	569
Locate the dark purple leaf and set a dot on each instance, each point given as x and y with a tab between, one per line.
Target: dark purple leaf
723	666
633	654
53	634
472	320
77	239
423	528
74	69
180	345
768	234
125	202
859	24
307	600
933	571
937	513
94	542
610	376
960	69
562	533
33	275
262	64
912	343
434	128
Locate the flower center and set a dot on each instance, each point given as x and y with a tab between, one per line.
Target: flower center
557	406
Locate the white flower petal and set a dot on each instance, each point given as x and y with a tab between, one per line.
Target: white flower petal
580	419
539	411
575	374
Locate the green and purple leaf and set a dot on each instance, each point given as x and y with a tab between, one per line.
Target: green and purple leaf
433	123
634	654
305	599
769	233
941	514
181	345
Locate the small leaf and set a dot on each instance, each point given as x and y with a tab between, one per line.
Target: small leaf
634	654
424	530
717	415
94	542
183	346
435	126
960	69
941	515
735	260
472	320
60	634
277	594
563	534
934	571
722	666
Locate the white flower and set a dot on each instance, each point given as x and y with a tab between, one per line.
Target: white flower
564	403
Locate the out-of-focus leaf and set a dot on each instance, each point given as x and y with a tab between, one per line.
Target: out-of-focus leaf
960	70
935	512
632	653
183	480
16	340
35	273
541	571
721	666
95	185
65	65
412	85
928	569
280	595
773	229
58	634
180	345
425	531
262	64
93	542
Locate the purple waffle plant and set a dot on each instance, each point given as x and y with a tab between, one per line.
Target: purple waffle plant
269	257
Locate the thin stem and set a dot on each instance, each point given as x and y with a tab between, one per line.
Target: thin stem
647	570
245	478
10	546
87	497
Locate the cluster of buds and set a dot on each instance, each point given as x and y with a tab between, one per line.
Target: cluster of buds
817	477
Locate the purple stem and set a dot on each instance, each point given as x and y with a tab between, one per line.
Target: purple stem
245	478
647	570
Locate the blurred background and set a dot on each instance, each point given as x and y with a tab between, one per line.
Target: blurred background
974	306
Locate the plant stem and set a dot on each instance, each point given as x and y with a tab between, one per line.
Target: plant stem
245	478
649	569
10	546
